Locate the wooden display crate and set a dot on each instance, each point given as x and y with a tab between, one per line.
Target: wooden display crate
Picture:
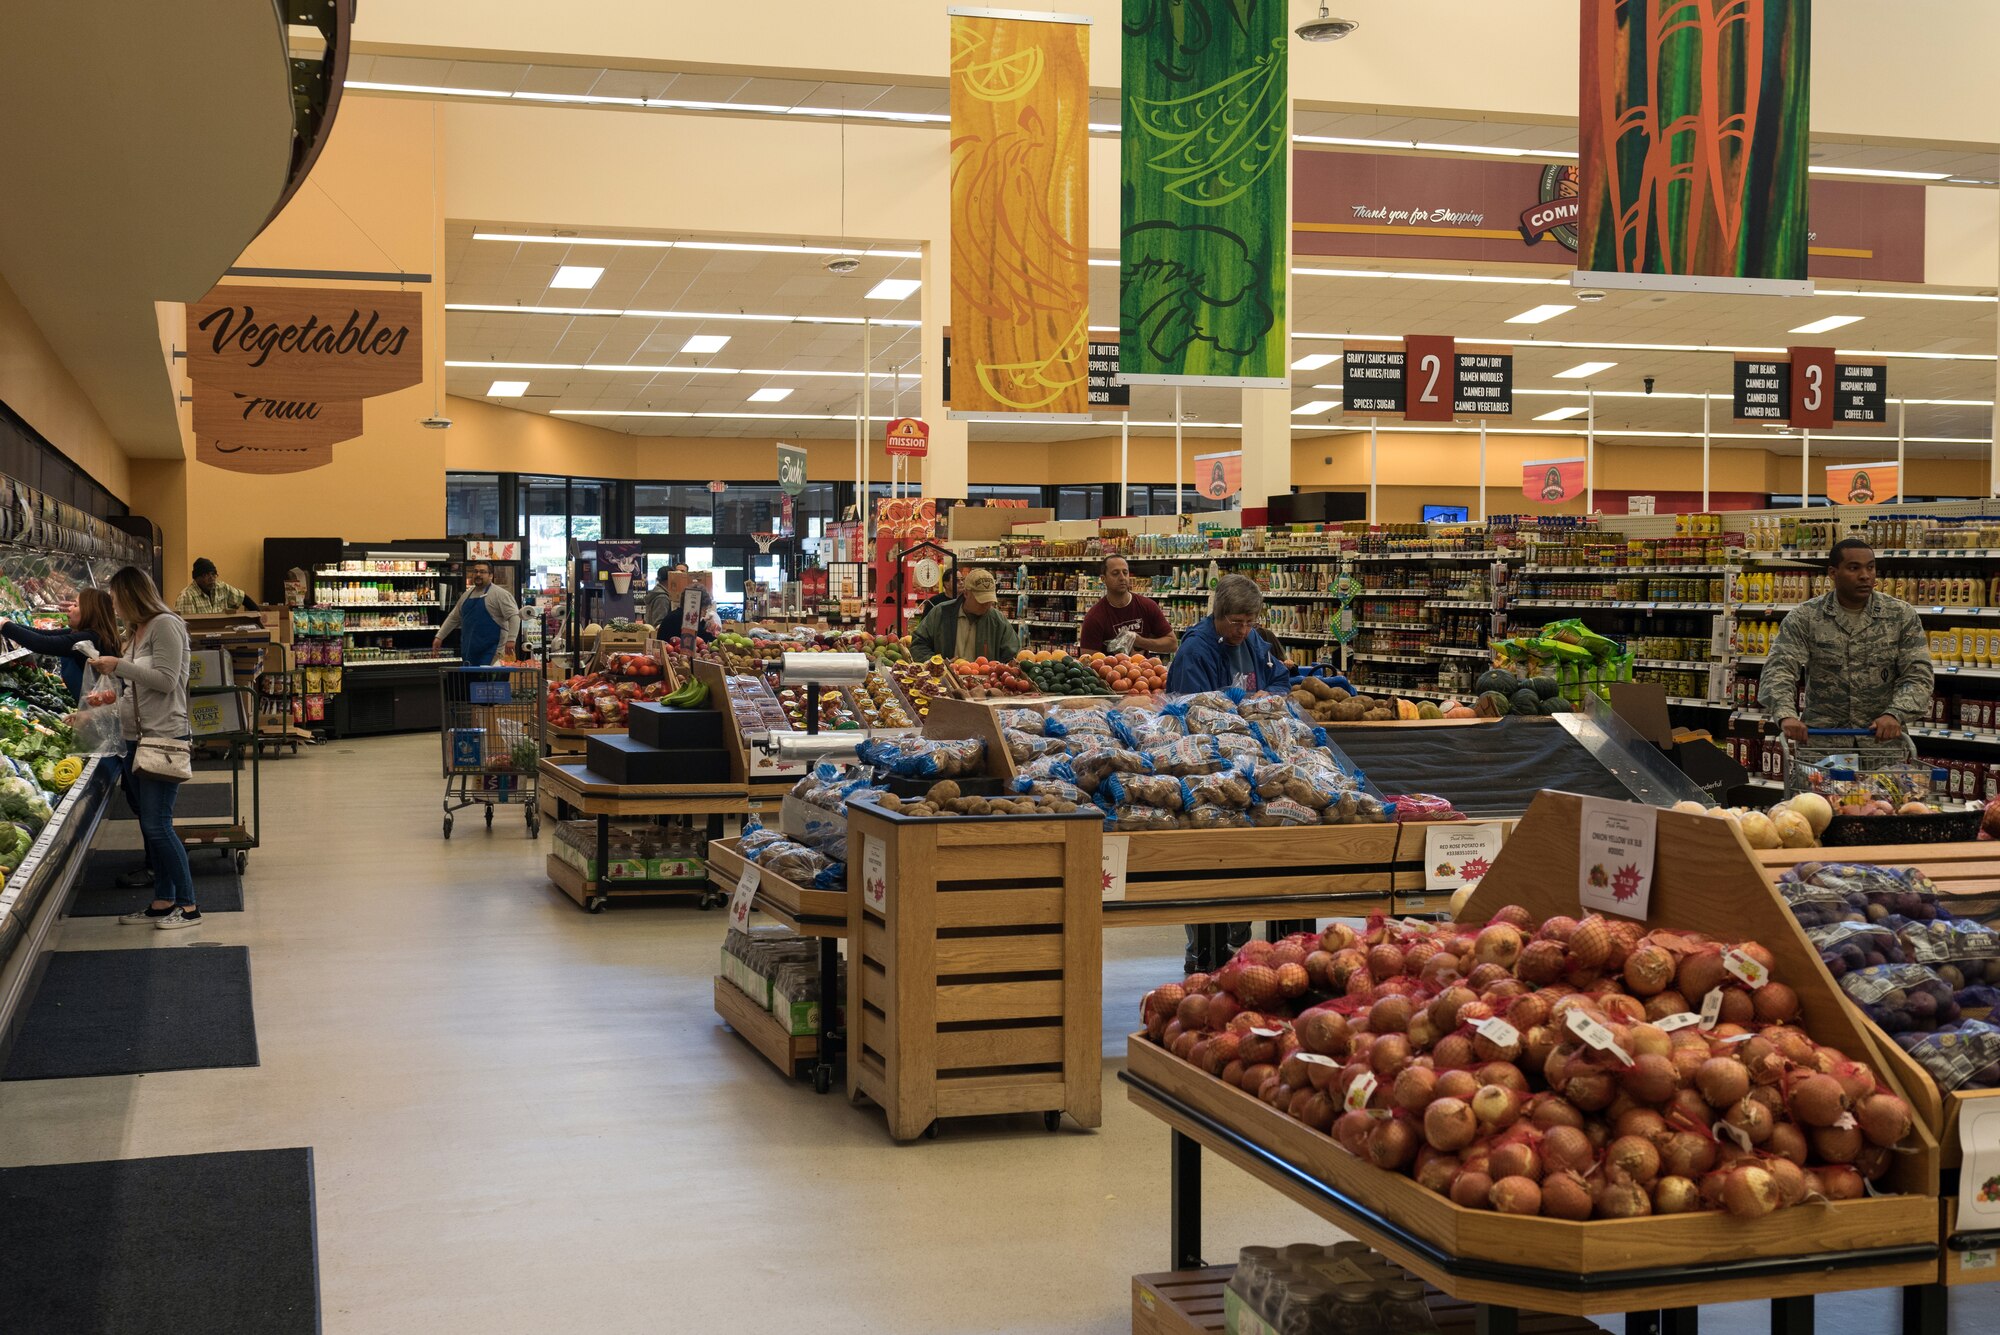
1190	1302
975	966
1181	876
805	910
760	1029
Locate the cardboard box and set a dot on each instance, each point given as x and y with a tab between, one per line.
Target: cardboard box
215	715
210	667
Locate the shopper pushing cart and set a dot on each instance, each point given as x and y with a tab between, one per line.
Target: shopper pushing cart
1863	657
492	739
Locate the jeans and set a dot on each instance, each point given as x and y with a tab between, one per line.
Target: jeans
1235	935
153	801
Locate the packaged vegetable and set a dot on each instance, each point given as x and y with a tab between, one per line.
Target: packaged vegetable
1188	755
1067	722
923	758
1965	1055
1216	722
1284	811
1152	790
1022	720
1226	788
1091	767
1023	746
1142	729
1901	997
1137	816
1211	816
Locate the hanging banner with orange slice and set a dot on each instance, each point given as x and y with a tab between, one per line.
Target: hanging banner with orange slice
1203	222
1863	484
1020	213
1219	476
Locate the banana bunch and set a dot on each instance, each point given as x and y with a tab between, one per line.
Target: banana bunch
694	695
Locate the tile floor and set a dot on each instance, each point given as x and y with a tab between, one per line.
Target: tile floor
526	1118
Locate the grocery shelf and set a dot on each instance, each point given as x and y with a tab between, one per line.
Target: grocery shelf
1678	664
1900	553
1394	593
378	630
1750	660
1764	607
396	662
1455	651
1648	605
1462	603
1485	556
1392	625
1932	610
1955	670
367	607
1414	659
1692	703
761	1030
381	574
1532	569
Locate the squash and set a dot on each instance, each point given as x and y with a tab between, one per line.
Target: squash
1497	680
1459	711
1491	704
1429	710
1406	710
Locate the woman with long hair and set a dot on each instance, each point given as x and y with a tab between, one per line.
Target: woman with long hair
153	685
93	631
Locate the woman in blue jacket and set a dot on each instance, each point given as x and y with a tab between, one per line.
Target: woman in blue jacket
1222	650
1225	649
94	625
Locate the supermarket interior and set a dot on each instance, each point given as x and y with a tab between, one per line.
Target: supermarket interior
1197	665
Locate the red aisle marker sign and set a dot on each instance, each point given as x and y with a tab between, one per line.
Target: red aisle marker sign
909	436
1812	387
1430	377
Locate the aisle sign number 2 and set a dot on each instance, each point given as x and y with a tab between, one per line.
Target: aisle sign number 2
1427	391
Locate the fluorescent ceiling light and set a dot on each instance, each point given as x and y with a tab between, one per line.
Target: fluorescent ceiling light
428	90
515	366
582	99
507	389
1879	171
656	243
1414	145
1584	370
1820	326
1538	314
1510	280
1316	406
1583	345
1313	361
582	276
496	309
1563	414
893	289
1904	296
770	395
702	343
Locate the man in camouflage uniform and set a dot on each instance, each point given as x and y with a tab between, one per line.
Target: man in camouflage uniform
1864	655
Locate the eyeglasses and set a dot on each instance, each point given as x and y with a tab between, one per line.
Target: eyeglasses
1239	622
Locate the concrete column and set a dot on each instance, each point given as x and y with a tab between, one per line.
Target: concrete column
945	467
1267	450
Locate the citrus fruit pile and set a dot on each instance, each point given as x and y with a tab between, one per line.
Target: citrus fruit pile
1129	674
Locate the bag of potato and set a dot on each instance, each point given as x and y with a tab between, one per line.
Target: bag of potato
1143	729
1093	766
1284	811
1228	788
1152	790
1216	722
1213	817
1063	722
1188	755
1284	733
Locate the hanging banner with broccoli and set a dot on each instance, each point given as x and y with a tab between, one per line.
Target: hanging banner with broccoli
1202	190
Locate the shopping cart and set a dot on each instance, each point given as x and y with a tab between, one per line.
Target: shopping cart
493	742
1846	765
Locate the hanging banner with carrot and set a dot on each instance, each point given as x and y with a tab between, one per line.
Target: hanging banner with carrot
1202	187
1693	148
1020	214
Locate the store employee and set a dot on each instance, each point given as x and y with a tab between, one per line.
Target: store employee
486	617
208	595
1864	656
1122	621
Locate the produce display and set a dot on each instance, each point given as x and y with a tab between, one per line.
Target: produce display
943	798
1056	673
1501	693
596	700
836	712
755	705
1574	1069
879	704
640	667
980	679
1797	822
1129	674
920	682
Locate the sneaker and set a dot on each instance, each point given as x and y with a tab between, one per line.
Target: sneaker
179	916
147	915
138	879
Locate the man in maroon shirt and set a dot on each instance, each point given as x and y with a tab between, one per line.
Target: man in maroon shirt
1122	621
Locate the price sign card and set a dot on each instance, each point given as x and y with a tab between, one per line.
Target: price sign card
1458	854
1614	867
739	902
1979	1180
874	875
1117	847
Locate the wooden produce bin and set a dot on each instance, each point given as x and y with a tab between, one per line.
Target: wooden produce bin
975	970
805	910
1705	879
1190	1302
1308	871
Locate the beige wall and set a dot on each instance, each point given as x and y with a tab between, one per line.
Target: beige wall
367	206
35	384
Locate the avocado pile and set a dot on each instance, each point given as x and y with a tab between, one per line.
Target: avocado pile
1502	693
1063	676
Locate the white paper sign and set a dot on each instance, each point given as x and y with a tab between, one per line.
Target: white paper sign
1614	865
1117	847
739	903
1979	1179
1458	854
874	875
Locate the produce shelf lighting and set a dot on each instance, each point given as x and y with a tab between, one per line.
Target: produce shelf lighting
580	276
1822	325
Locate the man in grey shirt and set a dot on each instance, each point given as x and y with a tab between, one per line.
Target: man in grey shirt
487	617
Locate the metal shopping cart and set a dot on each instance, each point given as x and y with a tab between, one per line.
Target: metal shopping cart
1848	766
493	743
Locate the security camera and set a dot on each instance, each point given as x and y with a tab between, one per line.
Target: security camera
1590	296
1649	384
1325	28
843	264
435	423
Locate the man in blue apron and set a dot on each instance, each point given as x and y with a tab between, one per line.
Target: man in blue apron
486	618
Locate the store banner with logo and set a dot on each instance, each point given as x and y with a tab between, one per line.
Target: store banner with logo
909	436
1863	484
1020	213
1203	269
1552	481
1692	139
1219	476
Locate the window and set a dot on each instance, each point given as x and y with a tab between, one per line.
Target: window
749	509
472	505
1031	496
1079	502
652	509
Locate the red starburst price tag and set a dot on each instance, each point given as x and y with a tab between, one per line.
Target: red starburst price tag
1615	856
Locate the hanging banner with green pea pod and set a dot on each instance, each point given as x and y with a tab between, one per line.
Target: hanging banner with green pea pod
1203	208
1692	139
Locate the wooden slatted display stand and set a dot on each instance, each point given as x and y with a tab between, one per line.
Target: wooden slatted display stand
975	966
1705	879
1190	1302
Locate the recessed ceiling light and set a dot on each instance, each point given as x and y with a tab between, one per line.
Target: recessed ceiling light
1583	370
1313	361
583	276
1829	322
705	343
657	243
770	395
1316	406
1563	414
507	389
1879	171
894	289
1538	314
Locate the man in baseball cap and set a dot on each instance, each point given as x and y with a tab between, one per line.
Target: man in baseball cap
968	626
